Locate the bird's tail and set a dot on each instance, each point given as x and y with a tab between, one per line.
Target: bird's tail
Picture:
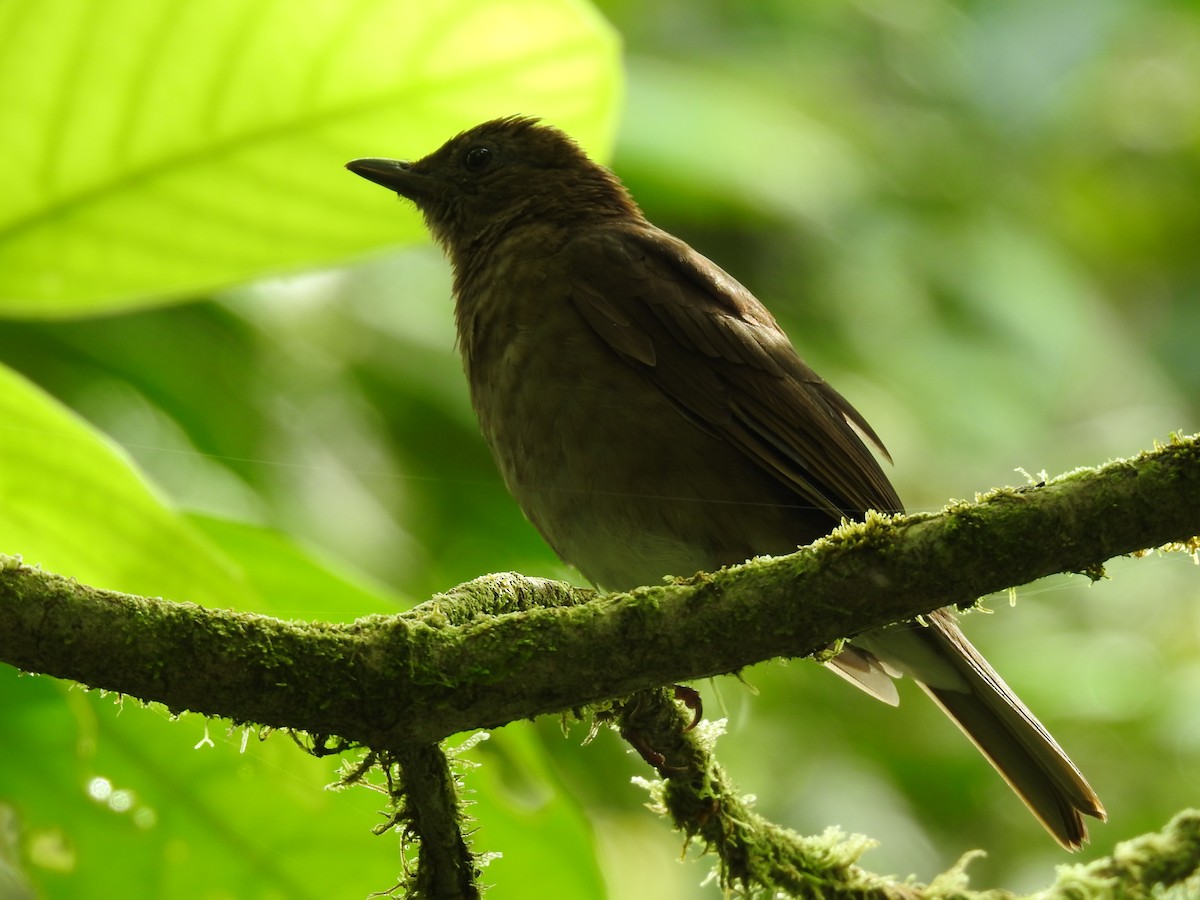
951	671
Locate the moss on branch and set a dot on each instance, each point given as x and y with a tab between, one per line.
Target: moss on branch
505	647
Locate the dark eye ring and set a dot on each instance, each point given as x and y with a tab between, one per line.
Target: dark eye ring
477	158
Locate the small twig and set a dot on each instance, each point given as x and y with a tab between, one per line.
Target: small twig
433	817
752	853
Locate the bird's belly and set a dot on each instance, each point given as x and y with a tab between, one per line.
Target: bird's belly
618	482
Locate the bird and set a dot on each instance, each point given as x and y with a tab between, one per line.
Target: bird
651	418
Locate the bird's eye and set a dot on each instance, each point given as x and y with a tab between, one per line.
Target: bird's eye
477	158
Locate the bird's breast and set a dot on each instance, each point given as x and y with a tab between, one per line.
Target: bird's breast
619	483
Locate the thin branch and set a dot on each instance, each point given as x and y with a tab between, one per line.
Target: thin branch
433	815
756	857
701	801
1140	867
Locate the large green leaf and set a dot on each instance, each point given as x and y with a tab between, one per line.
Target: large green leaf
295	582
524	813
154	150
72	502
118	800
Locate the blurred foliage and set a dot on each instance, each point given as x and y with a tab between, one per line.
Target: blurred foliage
977	220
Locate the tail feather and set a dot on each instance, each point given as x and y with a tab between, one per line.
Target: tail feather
867	673
952	672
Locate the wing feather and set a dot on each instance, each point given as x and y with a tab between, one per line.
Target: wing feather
718	354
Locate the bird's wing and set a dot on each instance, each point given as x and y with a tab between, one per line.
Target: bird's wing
718	354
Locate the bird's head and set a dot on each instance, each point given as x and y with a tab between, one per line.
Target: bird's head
499	175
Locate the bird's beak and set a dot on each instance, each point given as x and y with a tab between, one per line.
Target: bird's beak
394	174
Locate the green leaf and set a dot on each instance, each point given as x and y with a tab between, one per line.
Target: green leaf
72	502
295	582
120	800
156	150
523	812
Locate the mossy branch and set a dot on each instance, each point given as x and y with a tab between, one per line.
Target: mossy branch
432	815
506	647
